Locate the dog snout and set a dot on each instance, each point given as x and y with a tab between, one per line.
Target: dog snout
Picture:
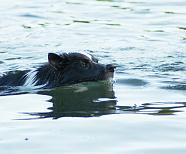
110	67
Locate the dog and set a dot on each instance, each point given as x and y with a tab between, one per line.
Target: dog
61	69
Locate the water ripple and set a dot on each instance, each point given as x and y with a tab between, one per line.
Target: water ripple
29	15
177	66
132	82
175	87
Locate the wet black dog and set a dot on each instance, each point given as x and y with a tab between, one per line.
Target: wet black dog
64	69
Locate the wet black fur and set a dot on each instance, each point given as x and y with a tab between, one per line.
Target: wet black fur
61	70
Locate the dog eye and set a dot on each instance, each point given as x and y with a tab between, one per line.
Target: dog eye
84	65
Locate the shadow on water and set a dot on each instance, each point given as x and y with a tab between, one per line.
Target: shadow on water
97	99
156	108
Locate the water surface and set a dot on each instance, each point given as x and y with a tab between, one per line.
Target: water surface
142	111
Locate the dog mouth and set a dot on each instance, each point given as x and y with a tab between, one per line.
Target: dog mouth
102	76
108	73
110	68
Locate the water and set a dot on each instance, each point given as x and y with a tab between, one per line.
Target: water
141	112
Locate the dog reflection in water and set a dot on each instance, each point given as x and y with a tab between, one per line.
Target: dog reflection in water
81	100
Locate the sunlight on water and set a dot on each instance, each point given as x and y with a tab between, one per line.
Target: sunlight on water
141	111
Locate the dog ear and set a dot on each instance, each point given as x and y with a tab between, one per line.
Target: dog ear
55	60
94	59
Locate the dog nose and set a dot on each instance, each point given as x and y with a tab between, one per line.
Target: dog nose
110	67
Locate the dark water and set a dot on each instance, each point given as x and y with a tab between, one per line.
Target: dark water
141	111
